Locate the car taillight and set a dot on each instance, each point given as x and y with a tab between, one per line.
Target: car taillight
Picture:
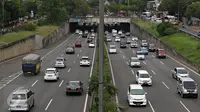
67	89
78	89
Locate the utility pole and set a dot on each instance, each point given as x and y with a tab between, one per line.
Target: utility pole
3	12
101	54
128	8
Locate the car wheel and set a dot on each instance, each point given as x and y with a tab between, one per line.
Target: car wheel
172	75
33	103
177	91
45	80
182	95
67	93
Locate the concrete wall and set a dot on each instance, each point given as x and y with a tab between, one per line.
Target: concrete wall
32	43
142	34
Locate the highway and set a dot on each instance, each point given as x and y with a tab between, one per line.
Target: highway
162	95
49	96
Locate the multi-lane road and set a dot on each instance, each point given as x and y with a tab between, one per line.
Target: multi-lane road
49	96
162	95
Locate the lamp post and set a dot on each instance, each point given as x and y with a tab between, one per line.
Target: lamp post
3	3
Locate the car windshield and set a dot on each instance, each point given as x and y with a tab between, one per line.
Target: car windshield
182	71
189	84
144	41
139	53
18	96
69	48
84	58
73	84
50	71
143	49
112	47
151	45
137	92
144	75
60	59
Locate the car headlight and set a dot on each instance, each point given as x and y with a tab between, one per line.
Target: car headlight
139	80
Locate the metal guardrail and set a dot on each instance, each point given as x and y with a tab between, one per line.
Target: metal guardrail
190	32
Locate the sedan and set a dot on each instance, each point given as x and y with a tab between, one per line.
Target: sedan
134	62
60	62
91	45
74	87
78	44
85	61
122	44
51	74
70	50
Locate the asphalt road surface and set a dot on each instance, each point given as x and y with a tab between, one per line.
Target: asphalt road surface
49	96
162	95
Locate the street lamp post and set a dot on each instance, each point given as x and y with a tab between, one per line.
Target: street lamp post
101	53
3	2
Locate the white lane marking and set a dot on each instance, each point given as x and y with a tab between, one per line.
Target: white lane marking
134	52
80	50
123	56
153	72
61	83
161	62
34	83
165	85
151	106
48	104
184	65
184	106
111	69
93	58
78	55
127	63
56	47
10	81
15	74
144	62
132	72
153	56
74	61
69	70
62	55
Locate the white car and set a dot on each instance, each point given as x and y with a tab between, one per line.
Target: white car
89	16
134	62
85	61
80	33
117	39
60	62
134	39
140	55
93	34
77	31
120	32
136	95
91	45
112	49
143	78
51	74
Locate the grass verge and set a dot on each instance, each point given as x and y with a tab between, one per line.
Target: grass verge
109	89
44	31
183	43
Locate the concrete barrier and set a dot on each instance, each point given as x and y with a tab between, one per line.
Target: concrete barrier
142	34
32	43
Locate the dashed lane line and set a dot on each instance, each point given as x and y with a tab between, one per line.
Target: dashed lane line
151	106
184	106
48	105
144	62
34	83
153	72
165	85
61	83
132	72
161	62
69	70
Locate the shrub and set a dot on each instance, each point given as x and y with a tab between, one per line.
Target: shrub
30	27
42	22
163	26
170	30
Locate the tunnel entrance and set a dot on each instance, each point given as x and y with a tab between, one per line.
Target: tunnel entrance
107	27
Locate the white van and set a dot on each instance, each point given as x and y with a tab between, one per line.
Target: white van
112	49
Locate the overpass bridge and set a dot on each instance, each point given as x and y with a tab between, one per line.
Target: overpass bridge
88	23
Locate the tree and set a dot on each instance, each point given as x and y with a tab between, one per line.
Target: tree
137	5
193	10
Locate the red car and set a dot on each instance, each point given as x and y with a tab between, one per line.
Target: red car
160	53
78	44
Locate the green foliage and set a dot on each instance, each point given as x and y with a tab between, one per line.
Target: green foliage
166	28
109	89
193	10
42	21
30	27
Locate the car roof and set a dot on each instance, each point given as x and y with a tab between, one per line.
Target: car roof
135	86
74	81
142	71
134	57
51	69
112	45
180	68
21	91
60	58
31	57
186	79
84	57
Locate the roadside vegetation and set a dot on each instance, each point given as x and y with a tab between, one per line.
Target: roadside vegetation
185	44
109	89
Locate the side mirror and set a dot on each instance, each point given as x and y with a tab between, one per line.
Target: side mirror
150	76
145	93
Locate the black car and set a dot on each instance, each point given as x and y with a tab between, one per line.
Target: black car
74	87
84	35
122	44
152	48
70	50
128	34
89	40
123	36
128	40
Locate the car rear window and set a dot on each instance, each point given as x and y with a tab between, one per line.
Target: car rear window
59	60
18	96
50	71
137	92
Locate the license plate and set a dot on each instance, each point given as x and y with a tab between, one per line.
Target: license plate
49	76
18	106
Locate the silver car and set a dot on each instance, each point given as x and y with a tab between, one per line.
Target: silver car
134	62
22	100
60	62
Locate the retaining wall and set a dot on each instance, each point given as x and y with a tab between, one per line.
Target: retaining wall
142	34
32	43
